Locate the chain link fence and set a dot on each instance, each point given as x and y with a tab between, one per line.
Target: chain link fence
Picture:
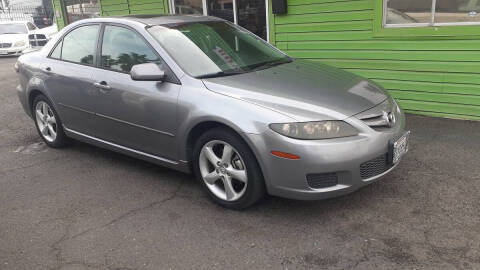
39	15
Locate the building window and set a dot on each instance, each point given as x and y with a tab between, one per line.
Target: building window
411	13
250	14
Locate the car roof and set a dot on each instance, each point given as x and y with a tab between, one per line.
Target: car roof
167	19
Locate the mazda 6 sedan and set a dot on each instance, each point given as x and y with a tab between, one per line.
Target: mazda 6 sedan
200	94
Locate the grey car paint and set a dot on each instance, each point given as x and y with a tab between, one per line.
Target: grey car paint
153	120
309	91
69	86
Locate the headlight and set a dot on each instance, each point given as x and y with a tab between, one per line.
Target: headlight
315	130
19	43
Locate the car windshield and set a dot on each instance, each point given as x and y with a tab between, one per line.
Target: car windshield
213	49
13	28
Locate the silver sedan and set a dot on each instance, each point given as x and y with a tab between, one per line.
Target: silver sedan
199	94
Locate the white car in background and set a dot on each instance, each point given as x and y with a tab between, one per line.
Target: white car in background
17	37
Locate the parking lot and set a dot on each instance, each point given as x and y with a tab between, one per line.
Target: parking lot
87	208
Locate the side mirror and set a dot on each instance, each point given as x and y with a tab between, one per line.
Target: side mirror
147	72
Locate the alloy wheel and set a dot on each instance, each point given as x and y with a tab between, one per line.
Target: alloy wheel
223	170
47	124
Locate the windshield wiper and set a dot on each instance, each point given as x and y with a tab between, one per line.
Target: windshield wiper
269	64
219	74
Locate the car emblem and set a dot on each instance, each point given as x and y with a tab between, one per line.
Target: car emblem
389	117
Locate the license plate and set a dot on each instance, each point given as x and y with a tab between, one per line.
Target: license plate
400	147
3	52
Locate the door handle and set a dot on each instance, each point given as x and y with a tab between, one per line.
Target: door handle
48	69
103	85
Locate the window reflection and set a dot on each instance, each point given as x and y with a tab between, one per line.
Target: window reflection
122	49
79	45
203	48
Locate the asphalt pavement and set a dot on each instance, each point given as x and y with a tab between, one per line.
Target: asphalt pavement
87	208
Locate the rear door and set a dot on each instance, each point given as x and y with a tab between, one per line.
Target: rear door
68	77
137	114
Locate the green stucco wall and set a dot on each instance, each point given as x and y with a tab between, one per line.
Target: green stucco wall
432	71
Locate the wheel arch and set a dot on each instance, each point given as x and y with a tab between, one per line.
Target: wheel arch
201	127
31	97
35	87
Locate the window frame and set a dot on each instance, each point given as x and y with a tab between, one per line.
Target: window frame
419	30
59	43
60	40
431	23
171	77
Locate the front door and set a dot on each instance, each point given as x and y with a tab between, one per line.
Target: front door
137	114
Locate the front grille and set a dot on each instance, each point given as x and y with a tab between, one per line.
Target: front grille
37	39
37	36
380	117
374	167
5	45
322	180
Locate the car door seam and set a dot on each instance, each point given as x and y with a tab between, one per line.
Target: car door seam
117	120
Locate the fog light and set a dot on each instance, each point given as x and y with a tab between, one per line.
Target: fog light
285	155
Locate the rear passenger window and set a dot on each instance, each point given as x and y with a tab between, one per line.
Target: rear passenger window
79	45
122	48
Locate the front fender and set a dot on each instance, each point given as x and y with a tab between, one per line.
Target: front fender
198	105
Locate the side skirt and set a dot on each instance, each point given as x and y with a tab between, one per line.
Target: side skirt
176	165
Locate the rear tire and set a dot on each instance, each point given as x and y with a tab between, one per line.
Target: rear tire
227	169
48	123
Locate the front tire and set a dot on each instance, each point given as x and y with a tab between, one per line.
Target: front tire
48	123
227	169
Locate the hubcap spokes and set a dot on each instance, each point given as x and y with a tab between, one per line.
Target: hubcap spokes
47	124
223	170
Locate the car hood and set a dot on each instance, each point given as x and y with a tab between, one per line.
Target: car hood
12	38
302	90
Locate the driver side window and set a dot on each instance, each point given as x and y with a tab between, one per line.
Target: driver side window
122	48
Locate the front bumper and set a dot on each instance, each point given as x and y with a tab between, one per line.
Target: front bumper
12	51
342	157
